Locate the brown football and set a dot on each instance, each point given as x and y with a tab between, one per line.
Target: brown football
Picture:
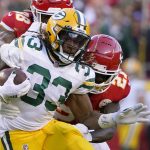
5	73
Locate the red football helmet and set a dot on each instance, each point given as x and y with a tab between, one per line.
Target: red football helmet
48	7
104	55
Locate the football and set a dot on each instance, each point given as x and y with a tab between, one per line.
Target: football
5	73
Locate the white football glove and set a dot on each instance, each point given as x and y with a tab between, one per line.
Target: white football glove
137	113
10	91
11	55
84	131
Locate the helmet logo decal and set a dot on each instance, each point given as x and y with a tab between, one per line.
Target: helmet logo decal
60	15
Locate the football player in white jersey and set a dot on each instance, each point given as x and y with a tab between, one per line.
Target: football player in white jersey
13	25
54	72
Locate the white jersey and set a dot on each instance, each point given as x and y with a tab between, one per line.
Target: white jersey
50	87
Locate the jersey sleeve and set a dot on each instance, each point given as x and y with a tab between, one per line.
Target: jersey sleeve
118	90
88	83
12	53
17	22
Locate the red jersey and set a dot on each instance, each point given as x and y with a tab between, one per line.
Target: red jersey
17	22
118	90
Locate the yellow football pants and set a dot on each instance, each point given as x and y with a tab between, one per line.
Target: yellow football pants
55	135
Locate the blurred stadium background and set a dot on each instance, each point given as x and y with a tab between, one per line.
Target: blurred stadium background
129	22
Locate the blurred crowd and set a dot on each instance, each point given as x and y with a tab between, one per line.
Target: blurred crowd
129	22
8	5
121	19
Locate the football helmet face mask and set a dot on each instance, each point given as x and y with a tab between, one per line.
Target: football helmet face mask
68	34
104	55
43	9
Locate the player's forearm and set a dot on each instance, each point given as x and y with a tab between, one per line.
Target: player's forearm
2	64
102	135
6	36
91	121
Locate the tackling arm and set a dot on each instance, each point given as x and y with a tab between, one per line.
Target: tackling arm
102	135
81	107
5	36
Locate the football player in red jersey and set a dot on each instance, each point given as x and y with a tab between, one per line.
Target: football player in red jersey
15	23
104	55
112	84
106	98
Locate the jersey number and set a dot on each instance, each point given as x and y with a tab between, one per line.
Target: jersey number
39	88
120	81
23	17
